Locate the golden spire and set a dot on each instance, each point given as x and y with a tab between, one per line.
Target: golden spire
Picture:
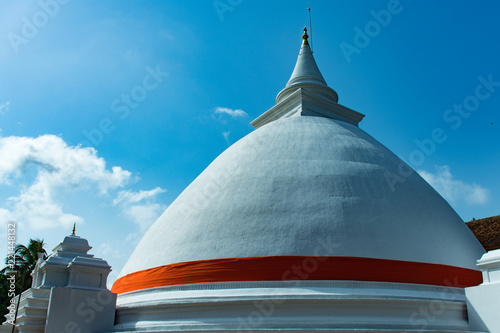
74	229
305	37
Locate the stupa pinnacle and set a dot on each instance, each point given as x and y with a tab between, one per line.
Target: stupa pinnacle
305	37
307	94
306	70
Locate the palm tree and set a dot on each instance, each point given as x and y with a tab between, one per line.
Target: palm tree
26	258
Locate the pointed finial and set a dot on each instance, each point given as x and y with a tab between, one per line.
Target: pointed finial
74	229
310	27
305	37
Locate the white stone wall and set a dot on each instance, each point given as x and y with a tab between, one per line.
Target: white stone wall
483	301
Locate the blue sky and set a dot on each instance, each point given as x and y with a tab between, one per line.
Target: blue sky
158	89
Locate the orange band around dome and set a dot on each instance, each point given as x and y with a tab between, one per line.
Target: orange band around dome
293	268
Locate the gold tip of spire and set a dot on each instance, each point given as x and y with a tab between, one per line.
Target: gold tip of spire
305	37
74	229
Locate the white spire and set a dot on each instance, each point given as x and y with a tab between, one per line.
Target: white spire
307	94
306	74
306	70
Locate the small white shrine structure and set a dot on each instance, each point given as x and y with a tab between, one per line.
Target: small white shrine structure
68	293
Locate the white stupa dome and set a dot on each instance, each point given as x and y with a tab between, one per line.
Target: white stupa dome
297	179
307	189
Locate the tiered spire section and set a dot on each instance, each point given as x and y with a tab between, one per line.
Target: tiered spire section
307	94
306	70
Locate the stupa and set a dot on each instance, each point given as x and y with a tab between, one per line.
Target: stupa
300	227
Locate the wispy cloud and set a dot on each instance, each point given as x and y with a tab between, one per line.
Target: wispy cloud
133	197
140	206
234	113
144	215
226	136
50	169
4	107
108	250
453	190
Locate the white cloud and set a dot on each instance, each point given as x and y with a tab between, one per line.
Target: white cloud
132	197
50	168
133	238
141	214
107	250
454	190
234	113
4	107
39	208
226	136
5	216
144	215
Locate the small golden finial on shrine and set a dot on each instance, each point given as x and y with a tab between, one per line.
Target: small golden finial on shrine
305	37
